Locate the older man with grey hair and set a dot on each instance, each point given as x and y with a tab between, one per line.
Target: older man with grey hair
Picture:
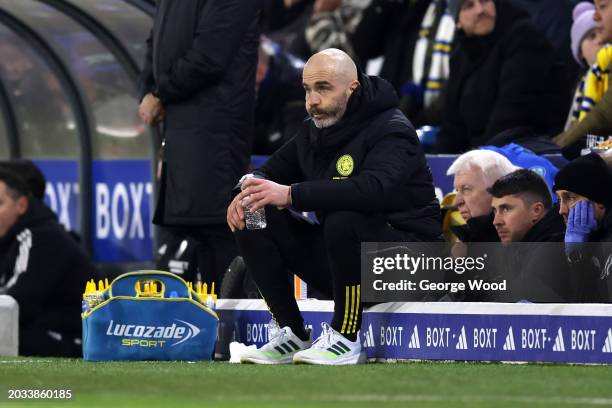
476	171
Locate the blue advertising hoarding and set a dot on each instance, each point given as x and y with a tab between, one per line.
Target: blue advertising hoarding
122	210
449	331
122	205
62	191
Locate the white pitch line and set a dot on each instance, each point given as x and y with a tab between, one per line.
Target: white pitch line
582	401
476	398
24	361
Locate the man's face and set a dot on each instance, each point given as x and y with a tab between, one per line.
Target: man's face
568	200
477	17
472	197
513	217
326	95
603	20
10	209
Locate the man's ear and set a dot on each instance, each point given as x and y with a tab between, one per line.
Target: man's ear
354	85
22	205
537	211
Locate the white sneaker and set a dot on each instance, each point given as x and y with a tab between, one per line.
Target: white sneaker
331	348
280	349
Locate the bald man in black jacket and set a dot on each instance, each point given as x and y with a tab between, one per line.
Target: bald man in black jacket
357	163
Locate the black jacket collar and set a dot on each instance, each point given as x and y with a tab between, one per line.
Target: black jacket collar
551	228
477	229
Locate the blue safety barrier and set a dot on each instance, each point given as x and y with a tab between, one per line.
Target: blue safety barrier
449	331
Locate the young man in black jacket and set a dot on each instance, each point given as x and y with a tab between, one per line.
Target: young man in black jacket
358	164
532	262
44	269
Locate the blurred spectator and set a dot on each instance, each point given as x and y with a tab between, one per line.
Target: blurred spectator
585	46
333	24
503	74
279	111
585	198
285	22
199	78
476	171
415	38
597	119
278	14
522	205
44	269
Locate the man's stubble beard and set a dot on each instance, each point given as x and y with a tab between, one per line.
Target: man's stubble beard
337	112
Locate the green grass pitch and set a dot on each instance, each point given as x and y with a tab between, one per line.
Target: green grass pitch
218	384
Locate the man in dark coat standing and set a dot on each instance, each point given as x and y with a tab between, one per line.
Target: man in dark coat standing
199	79
503	74
358	164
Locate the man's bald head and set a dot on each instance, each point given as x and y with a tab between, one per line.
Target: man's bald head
335	60
329	79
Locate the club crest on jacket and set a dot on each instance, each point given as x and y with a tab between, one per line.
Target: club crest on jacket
345	165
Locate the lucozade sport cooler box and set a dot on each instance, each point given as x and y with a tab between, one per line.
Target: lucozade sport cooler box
135	324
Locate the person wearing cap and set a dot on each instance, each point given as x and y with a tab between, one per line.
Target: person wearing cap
598	121
503	74
584	45
585	200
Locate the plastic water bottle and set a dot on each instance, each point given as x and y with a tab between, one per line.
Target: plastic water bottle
255	219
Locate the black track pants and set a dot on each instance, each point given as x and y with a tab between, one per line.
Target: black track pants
325	256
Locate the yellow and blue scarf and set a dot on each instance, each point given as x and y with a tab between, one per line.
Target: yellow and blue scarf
597	81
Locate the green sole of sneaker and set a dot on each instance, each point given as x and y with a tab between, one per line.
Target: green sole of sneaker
252	360
358	359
